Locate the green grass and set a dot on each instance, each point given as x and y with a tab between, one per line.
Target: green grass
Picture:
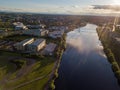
42	68
7	28
5	65
5	60
37	71
37	85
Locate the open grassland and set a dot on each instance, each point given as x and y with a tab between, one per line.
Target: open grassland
35	75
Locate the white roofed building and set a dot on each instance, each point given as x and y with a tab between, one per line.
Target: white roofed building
21	45
36	45
19	26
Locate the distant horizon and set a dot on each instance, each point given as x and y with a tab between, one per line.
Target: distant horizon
9	12
74	7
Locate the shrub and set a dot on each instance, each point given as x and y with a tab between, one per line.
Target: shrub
56	73
115	66
111	57
19	63
52	86
117	74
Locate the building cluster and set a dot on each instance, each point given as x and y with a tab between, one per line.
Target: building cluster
49	49
56	34
36	26
34	46
36	32
30	45
117	27
19	26
60	28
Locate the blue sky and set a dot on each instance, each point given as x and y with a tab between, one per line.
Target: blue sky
53	6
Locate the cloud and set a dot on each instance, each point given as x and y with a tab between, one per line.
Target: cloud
75	6
109	7
74	9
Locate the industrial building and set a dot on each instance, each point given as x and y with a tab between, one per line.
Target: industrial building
36	45
56	34
21	45
49	49
36	32
19	26
41	26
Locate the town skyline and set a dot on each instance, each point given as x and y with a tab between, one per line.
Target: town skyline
58	7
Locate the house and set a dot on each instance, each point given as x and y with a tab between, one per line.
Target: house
36	45
49	49
36	32
56	34
22	45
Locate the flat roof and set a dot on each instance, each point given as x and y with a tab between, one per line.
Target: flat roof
37	42
26	40
118	39
50	47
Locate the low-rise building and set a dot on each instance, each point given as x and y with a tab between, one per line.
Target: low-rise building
22	45
49	49
41	26
56	34
19	26
36	45
36	32
60	28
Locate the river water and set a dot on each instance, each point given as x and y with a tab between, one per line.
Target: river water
84	65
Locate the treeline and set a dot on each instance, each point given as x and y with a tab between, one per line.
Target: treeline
6	25
110	55
59	53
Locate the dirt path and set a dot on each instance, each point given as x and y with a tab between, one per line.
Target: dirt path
26	83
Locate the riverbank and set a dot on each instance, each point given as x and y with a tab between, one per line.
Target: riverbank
29	75
111	58
54	74
84	65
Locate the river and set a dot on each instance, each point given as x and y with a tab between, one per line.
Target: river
84	65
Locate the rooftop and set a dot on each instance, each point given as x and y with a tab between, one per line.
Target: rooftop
118	39
50	47
26	40
37	42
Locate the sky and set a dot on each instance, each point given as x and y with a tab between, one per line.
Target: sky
57	6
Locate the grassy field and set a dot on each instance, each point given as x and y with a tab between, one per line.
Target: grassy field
38	75
7	28
5	61
28	77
